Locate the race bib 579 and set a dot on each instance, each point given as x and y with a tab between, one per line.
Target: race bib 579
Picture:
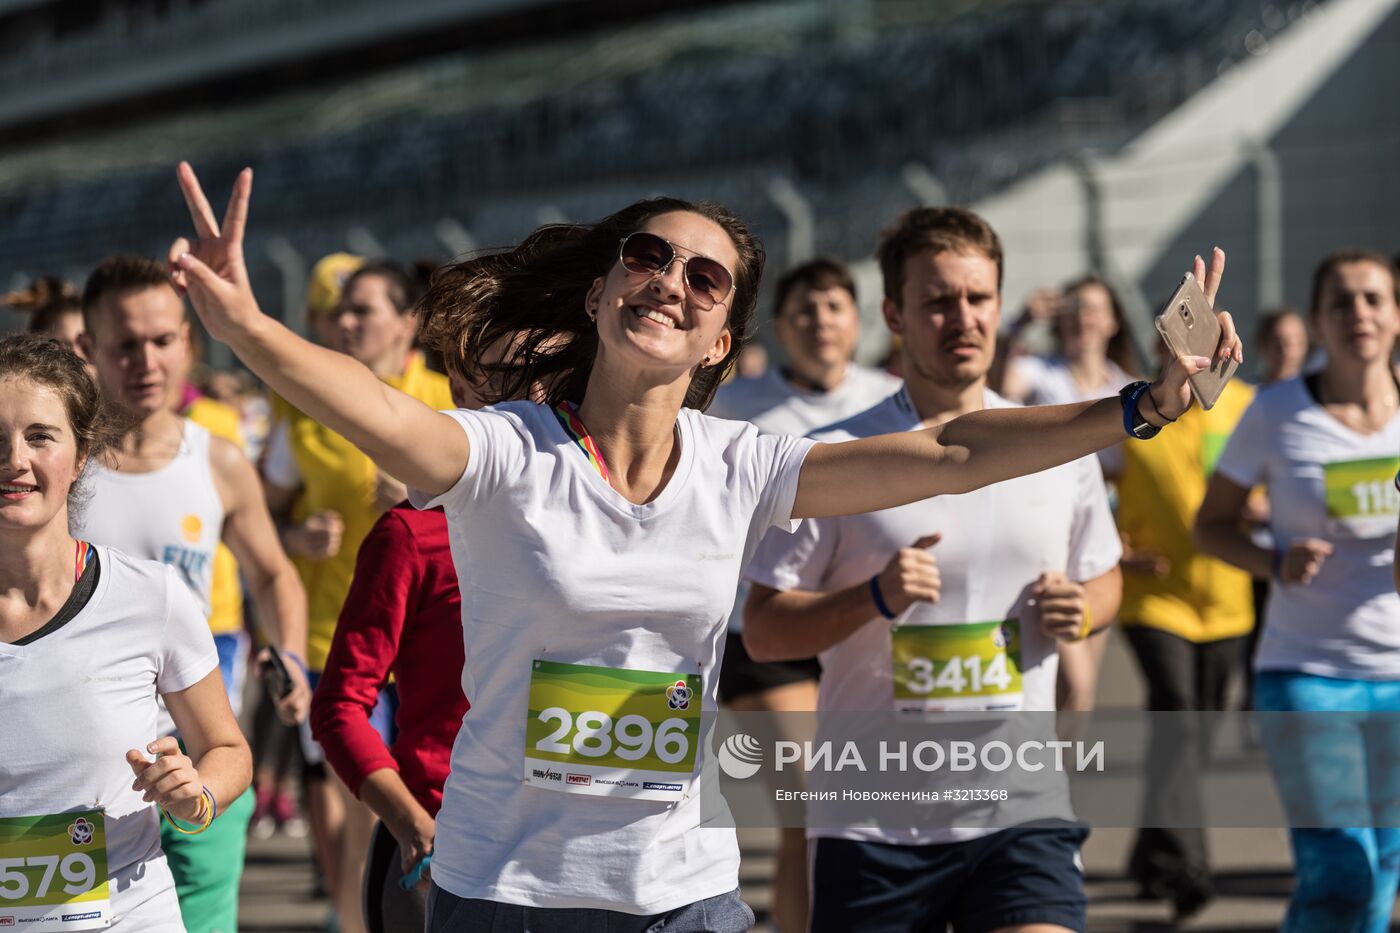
53	872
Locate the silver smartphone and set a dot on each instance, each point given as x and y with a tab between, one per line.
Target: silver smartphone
1188	326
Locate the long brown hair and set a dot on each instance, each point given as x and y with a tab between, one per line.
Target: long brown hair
533	294
1120	349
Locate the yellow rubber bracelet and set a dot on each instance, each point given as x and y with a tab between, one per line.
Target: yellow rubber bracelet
206	816
1087	627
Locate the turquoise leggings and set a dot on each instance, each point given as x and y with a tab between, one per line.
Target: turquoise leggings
1337	770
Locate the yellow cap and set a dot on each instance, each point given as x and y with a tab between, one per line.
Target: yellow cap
327	279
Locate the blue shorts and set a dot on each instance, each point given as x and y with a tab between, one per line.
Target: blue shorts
233	665
1026	874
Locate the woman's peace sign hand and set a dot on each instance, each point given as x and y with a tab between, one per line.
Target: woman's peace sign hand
211	269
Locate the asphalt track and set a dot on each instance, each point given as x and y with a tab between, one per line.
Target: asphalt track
1253	869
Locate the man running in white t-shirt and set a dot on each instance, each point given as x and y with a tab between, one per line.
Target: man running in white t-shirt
1020	565
817	323
174	492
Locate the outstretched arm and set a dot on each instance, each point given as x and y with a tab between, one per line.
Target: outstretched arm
993	445
406	438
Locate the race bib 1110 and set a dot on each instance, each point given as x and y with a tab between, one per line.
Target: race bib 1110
53	872
1362	501
611	731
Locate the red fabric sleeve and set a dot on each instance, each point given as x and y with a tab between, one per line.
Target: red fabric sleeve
388	569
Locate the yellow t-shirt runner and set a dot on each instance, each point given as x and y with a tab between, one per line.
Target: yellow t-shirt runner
1200	599
337	477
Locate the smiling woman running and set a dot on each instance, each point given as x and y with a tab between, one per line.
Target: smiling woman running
88	638
606	530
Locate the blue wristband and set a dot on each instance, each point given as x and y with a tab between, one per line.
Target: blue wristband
879	599
296	658
1130	409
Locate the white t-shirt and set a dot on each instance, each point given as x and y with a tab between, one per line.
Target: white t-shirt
996	542
79	697
555	565
775	406
1049	381
1346	622
279	466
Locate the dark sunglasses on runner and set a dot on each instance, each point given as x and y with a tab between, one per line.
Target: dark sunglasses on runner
708	281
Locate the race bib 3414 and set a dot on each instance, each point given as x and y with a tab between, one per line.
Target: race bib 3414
966	666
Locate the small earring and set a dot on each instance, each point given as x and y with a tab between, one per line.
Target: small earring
705	362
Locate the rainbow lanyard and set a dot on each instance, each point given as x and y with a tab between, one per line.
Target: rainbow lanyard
82	553
567	413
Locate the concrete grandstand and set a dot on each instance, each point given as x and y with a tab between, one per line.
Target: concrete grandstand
1080	128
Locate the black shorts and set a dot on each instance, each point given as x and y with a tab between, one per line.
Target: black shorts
741	675
1026	874
388	908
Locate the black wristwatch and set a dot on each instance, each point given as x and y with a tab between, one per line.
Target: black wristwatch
1133	422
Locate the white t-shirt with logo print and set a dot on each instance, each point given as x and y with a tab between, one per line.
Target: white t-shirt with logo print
1324	481
76	699
554	564
996	542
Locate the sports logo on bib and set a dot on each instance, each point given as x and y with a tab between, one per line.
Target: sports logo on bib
611	731
53	872
678	695
1362	501
964	666
81	831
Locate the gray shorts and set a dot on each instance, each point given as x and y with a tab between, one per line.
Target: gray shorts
448	913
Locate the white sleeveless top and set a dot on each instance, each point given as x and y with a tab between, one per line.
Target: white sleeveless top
173	514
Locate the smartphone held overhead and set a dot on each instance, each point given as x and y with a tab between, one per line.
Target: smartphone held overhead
1189	327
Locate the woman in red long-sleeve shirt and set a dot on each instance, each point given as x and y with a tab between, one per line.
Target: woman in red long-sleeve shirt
402	617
